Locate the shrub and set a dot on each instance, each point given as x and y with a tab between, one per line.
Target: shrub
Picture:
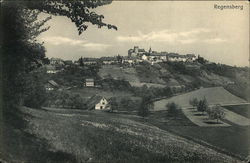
216	112
173	109
146	105
202	105
194	102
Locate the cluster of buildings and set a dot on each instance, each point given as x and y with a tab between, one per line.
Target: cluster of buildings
137	55
155	57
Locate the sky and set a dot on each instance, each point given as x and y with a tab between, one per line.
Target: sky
221	36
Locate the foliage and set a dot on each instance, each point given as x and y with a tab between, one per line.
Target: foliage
19	48
81	62
152	91
202	105
21	27
74	75
63	99
221	69
34	93
201	60
194	102
216	112
146	106
112	84
173	109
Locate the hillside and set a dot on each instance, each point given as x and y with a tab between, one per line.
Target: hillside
179	74
214	95
105	137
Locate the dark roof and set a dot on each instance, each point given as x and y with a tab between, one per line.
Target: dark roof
141	50
190	55
173	55
157	54
68	62
90	59
53	83
108	59
129	58
93	101
130	50
89	80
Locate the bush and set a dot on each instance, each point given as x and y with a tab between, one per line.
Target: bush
66	100
34	93
172	109
145	106
202	105
194	102
216	112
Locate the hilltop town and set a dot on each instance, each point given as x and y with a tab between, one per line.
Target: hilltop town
135	56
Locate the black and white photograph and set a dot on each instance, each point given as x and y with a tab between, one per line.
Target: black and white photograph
113	81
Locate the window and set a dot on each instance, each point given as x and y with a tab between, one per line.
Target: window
101	107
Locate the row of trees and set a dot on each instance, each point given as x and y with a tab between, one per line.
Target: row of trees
215	112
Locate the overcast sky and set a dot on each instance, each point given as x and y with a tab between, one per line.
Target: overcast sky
182	27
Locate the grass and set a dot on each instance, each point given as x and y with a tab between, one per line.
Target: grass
17	145
128	74
231	140
214	95
88	92
243	110
106	137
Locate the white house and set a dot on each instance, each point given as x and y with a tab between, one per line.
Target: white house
98	103
89	82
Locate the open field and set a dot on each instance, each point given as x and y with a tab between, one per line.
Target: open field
131	75
214	95
232	139
106	137
202	119
128	74
236	118
243	110
89	92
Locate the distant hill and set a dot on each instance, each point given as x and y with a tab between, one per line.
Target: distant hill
176	74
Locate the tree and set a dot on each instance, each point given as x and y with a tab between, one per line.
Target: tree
34	93
172	109
21	27
81	62
202	105
216	112
201	60
146	106
194	102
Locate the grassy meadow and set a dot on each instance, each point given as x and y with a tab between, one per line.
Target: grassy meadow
94	136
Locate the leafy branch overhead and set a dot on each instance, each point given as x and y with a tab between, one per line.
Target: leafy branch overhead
79	12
